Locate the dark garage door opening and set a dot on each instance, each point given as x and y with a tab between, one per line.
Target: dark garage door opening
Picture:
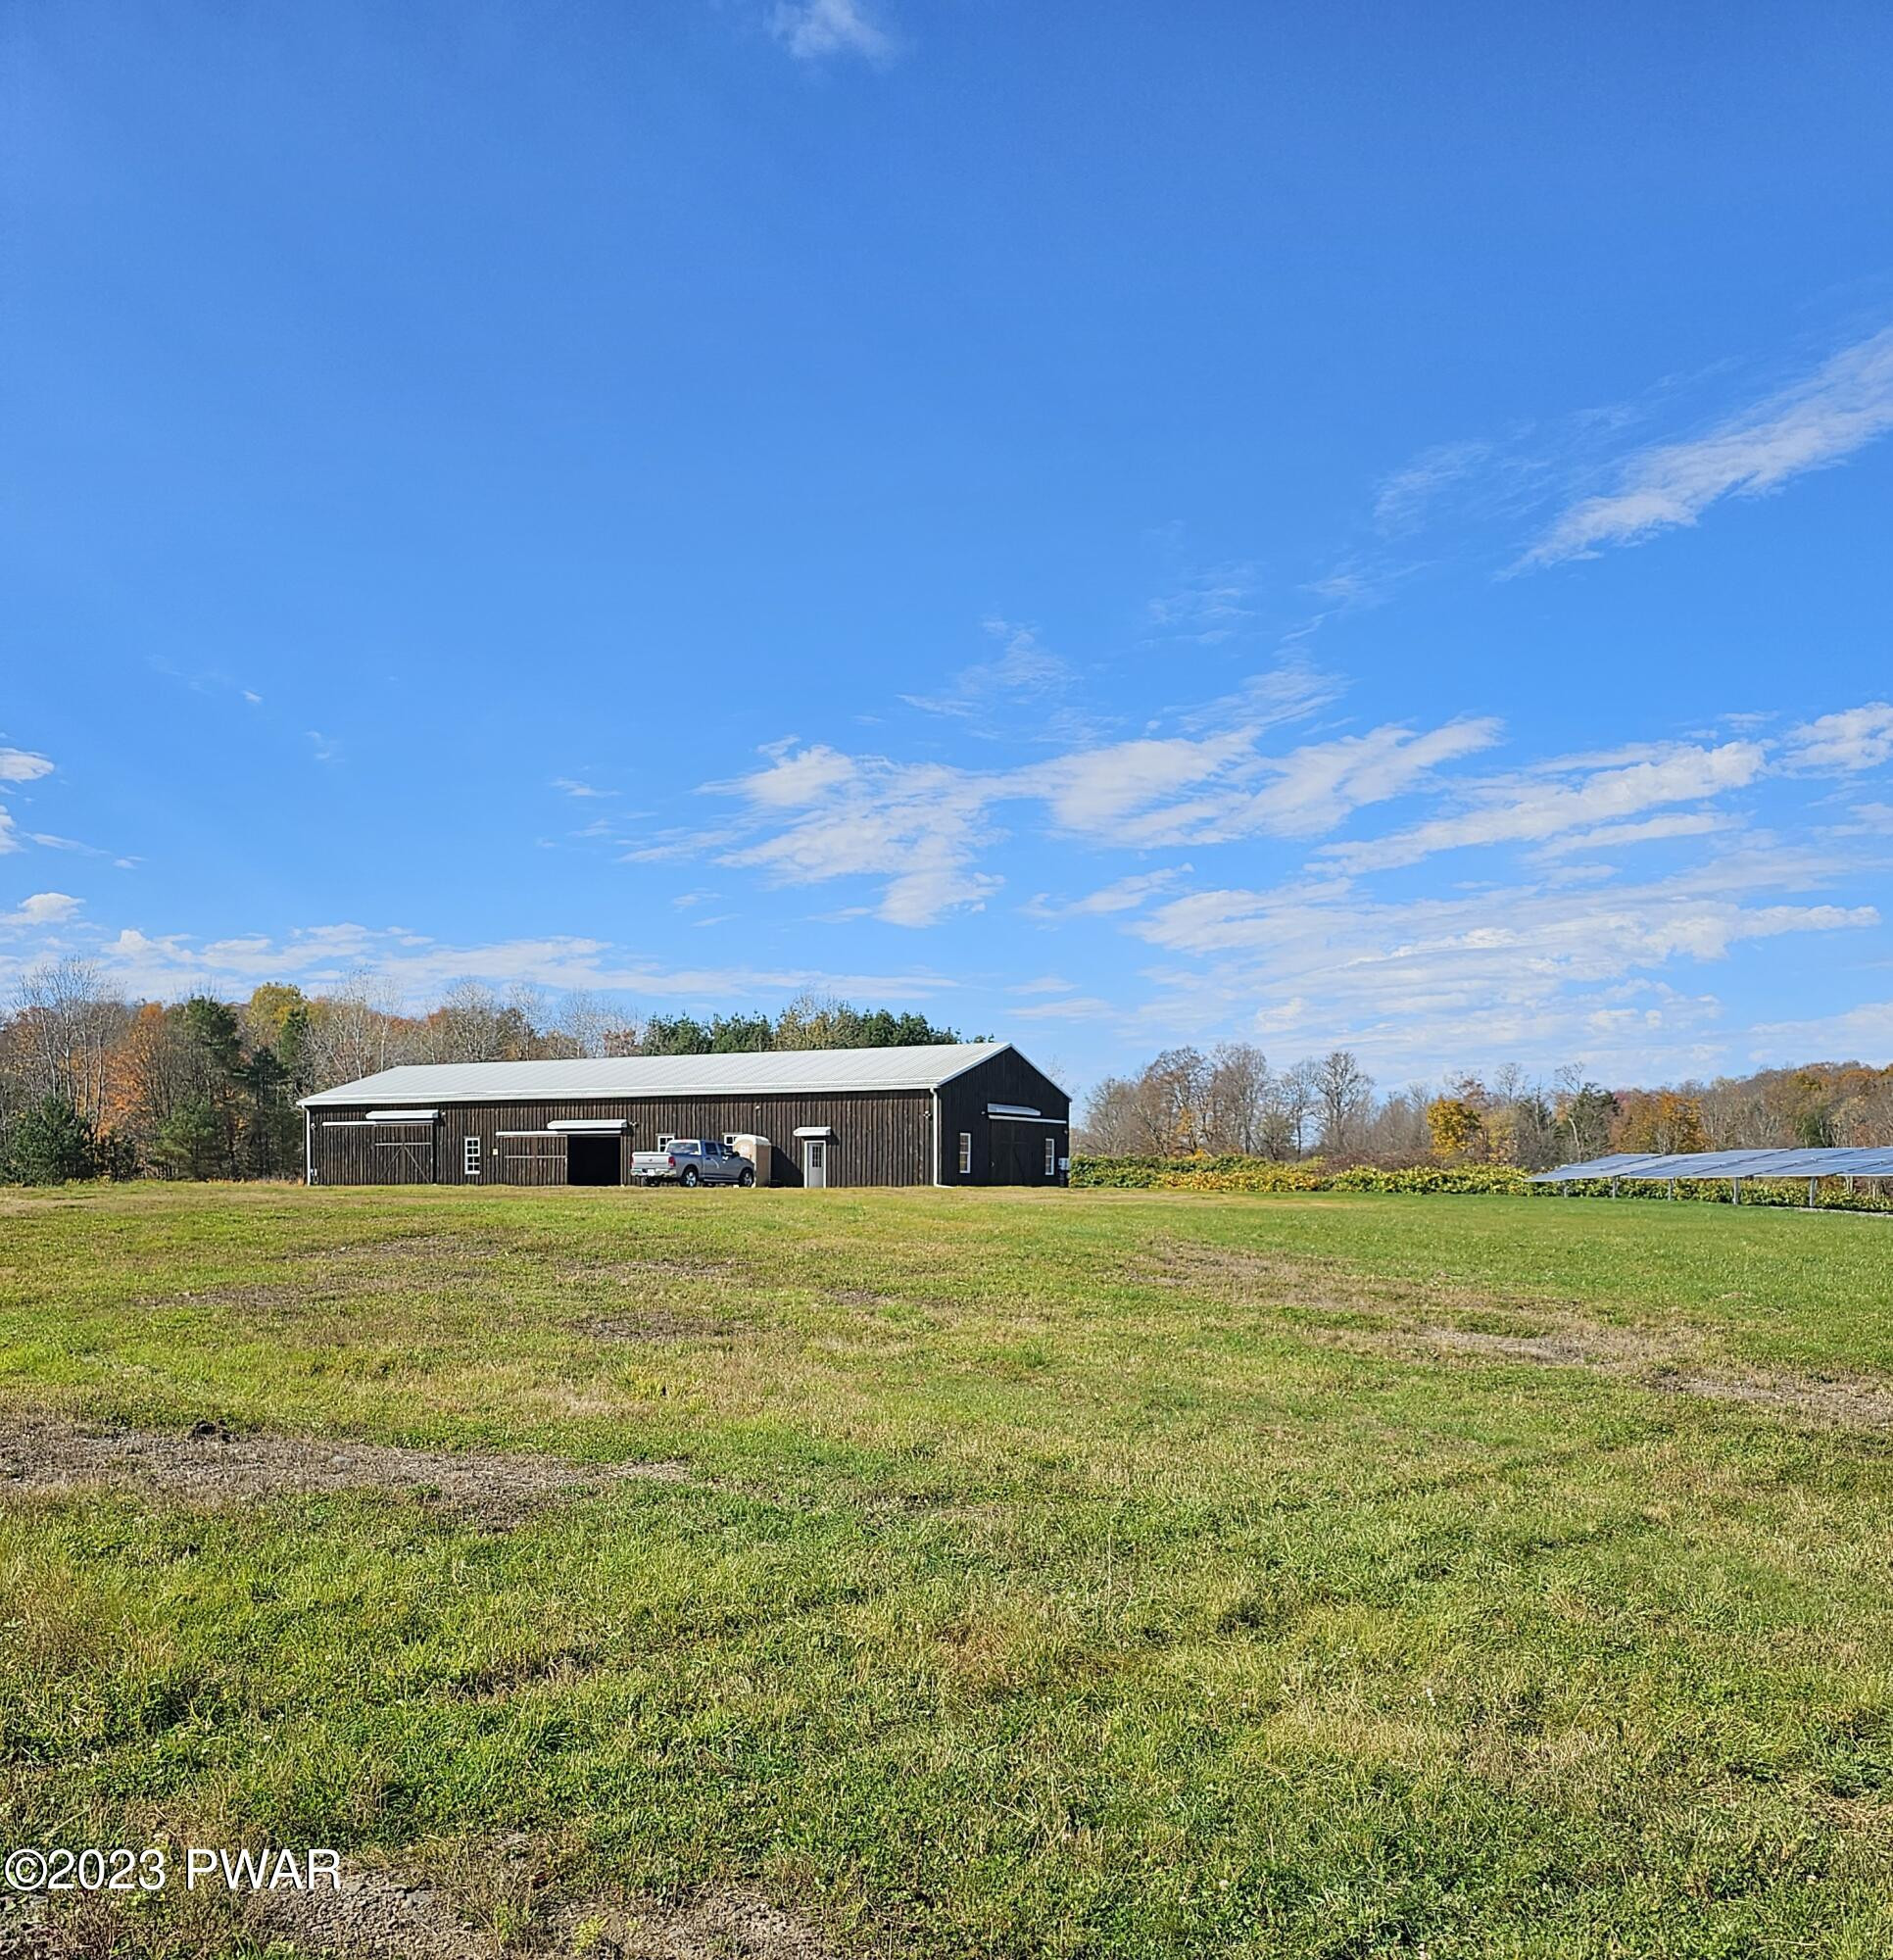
591	1161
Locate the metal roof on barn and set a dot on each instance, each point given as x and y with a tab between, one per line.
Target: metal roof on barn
815	1071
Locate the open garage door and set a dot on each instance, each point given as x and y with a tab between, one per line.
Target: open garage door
594	1160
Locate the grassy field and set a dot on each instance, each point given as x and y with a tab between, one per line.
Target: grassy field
1033	1573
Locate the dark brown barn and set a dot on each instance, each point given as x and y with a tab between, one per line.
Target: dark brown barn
970	1112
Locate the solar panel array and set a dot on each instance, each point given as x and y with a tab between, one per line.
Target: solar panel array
1727	1164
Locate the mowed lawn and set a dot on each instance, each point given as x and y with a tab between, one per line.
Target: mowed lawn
1051	1573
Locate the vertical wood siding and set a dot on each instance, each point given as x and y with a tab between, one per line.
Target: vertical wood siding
879	1138
1003	1152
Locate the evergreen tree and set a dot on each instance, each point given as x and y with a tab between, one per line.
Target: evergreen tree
50	1142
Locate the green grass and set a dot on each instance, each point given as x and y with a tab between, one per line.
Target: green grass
1063	1574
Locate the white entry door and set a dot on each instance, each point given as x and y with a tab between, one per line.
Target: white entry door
814	1164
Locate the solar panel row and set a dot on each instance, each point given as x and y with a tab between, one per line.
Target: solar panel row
1727	1164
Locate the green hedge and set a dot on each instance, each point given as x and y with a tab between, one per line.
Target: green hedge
1786	1194
1207	1173
1263	1174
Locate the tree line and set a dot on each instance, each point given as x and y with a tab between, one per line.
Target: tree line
95	1084
1230	1101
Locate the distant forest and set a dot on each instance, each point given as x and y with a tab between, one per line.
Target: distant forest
1230	1101
94	1085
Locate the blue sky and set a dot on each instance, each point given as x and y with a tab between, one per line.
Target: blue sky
1113	524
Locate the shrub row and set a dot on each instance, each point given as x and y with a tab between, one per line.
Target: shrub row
1263	1174
1790	1194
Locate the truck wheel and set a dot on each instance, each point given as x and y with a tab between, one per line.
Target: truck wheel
747	1179
689	1177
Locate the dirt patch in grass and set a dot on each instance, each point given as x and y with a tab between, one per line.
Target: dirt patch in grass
1326	1302
380	1916
208	1465
1225	1271
1568	1344
433	1264
638	1272
1853	1404
402	1269
1653	1362
655	1325
375	1916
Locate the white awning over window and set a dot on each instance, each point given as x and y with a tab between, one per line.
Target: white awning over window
1012	1112
815	1130
402	1116
588	1126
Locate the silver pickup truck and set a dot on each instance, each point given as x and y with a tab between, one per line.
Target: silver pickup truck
692	1160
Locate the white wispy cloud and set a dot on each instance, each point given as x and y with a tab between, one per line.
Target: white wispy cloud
40	909
574	787
323	748
1818	422
1845	743
17	766
166	965
1406	496
21	765
1651	830
1529	969
1023	670
1121	894
1862	1033
1207	606
1315	788
917	826
816	813
1532	811
814	29
1071	1007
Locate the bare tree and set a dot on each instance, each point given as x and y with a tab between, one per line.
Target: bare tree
1172	1094
1236	1097
358	1031
1111	1126
1399	1127
1294	1096
467	1024
65	1032
1346	1093
596	1027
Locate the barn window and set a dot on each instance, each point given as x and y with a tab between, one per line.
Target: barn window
1051	1156
966	1154
470	1156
